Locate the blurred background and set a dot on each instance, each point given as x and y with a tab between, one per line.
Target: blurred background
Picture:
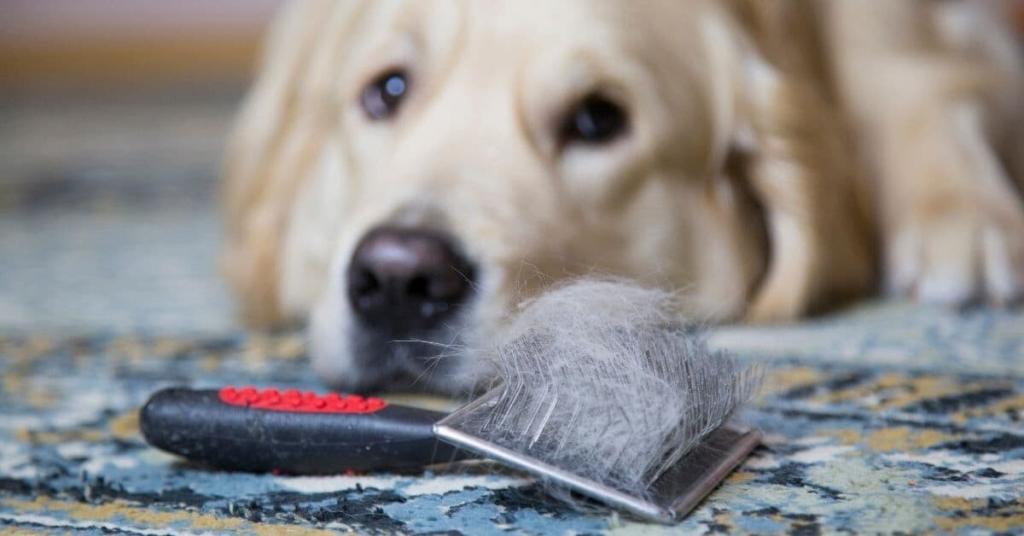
113	115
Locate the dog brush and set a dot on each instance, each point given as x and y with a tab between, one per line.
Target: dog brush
600	389
604	391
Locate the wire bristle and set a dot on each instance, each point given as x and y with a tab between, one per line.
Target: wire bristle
603	378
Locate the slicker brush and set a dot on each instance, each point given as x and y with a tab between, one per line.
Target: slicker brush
602	388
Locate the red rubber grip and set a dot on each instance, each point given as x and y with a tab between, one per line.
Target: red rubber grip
298	402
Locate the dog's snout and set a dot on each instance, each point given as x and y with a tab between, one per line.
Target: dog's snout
402	281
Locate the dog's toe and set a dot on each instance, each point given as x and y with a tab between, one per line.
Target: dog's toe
1003	259
949	261
946	287
903	262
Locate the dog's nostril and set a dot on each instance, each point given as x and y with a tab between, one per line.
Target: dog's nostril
364	288
365	282
404	280
419	287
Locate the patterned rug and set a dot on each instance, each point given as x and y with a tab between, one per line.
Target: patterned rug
860	449
888	418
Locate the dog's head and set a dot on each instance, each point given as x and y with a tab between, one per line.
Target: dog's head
405	172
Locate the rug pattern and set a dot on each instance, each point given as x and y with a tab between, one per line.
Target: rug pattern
848	448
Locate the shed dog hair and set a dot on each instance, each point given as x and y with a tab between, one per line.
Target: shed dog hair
578	368
781	156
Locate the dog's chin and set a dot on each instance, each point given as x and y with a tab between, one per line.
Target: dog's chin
423	364
357	360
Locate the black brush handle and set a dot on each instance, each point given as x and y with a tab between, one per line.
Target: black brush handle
291	432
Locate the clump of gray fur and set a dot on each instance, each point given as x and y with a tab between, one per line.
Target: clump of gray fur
605	379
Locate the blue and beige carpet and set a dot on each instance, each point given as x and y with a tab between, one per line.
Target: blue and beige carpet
888	418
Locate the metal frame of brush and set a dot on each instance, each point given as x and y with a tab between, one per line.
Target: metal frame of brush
672	496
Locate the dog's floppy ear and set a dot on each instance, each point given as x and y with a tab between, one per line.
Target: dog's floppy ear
796	163
276	141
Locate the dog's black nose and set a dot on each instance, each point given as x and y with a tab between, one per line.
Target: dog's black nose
402	281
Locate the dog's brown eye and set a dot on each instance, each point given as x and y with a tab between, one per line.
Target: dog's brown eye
381	98
595	120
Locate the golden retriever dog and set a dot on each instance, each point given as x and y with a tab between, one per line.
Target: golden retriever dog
405	172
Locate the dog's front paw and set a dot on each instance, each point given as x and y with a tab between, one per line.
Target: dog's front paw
965	253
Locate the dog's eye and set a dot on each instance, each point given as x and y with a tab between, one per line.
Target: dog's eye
594	120
382	97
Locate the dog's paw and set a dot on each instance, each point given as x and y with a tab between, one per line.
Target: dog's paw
960	255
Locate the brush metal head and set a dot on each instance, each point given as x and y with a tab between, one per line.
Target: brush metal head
669	499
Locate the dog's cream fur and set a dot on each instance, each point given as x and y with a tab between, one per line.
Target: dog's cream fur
782	154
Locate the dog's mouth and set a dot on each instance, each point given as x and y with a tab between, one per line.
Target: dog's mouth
409	364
